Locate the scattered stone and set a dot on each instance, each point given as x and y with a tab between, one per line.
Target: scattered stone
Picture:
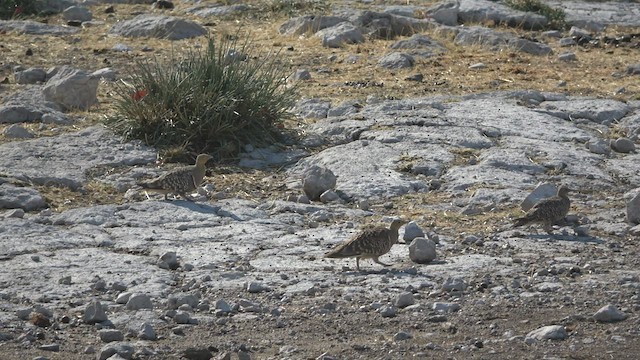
168	260
633	69
623	145
566	42
411	231
387	311
30	76
609	313
401	335
309	23
124	350
65	280
396	60
478	66
446	308
569	56
110	335
50	347
340	34
139	301
72	88
182	317
147	332
454	284
551	332
197	354
223	306
163	4
256	287
94	313
598	146
301	74
633	206
316	180
422	251
15	131
158	26
329	196
405	299
14	197
77	13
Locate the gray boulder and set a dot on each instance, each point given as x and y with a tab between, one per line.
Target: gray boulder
445	12
338	35
30	76
609	313
72	88
77	13
498	40
422	251
633	206
16	131
316	180
420	45
14	197
479	11
35	28
158	26
396	60
221	10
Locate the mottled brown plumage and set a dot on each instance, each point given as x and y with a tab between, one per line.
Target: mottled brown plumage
180	181
370	243
548	211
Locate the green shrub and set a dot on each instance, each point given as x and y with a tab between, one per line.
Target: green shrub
19	8
556	17
208	101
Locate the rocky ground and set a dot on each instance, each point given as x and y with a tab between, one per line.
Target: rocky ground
453	132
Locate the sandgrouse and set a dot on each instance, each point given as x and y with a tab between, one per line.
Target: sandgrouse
180	181
369	243
548	211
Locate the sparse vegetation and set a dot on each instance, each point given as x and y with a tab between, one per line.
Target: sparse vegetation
556	17
19	8
212	101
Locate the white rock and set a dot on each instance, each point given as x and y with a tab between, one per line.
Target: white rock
158	26
338	35
422	251
396	60
124	350
72	88
139	301
551	332
609	313
623	145
542	191
316	180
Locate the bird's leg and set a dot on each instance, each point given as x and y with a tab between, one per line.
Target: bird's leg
165	196
375	260
548	228
358	263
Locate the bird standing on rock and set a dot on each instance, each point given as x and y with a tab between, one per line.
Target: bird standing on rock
180	181
370	243
548	211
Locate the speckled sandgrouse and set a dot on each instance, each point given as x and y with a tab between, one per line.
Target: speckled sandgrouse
369	243
548	211
180	181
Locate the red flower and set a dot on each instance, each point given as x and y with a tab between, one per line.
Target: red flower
139	95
